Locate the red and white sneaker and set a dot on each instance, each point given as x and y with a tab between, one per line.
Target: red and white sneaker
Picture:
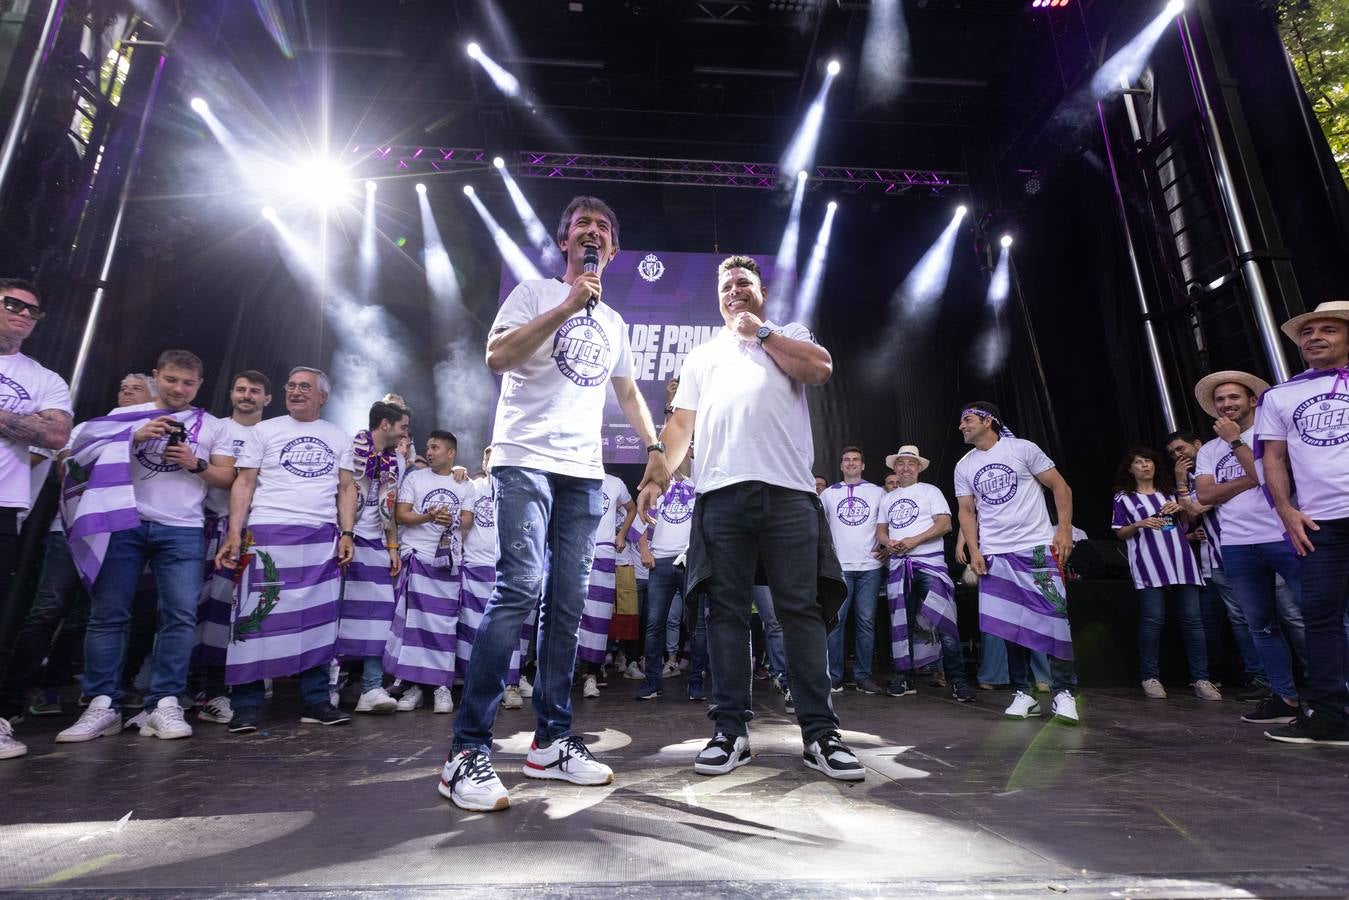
567	759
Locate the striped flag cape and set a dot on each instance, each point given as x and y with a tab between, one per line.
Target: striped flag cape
96	496
1022	599
936	610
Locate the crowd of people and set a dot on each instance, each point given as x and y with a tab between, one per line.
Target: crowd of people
197	559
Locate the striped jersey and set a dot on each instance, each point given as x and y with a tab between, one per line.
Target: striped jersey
1157	556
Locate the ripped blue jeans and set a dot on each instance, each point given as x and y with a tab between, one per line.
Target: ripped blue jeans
540	516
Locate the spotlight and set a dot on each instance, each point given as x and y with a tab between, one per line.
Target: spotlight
498	162
834	67
474	51
1175	7
961	210
802	176
468	190
199	106
832	205
371	186
1005	241
421	188
269	213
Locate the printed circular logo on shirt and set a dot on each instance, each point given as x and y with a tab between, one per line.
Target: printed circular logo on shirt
853	511
307	457
581	351
995	483
1229	468
607	501
675	509
484	511
903	512
151	455
1323	420
12	394
441	497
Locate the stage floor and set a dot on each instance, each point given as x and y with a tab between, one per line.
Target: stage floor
1176	798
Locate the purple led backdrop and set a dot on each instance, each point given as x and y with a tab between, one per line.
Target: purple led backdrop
669	302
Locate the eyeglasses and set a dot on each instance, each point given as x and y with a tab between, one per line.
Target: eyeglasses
16	306
301	386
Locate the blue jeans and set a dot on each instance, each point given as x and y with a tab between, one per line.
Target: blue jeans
538	513
772	632
175	556
1151	618
663	583
313	689
1250	570
1325	588
372	673
1250	660
863	588
60	602
993	662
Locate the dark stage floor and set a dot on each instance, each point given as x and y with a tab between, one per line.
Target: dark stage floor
1174	798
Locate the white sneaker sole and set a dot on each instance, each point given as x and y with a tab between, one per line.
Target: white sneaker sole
207	717
735	762
533	770
1033	712
64	738
443	710
13	752
812	763
472	806
1066	720
383	709
147	731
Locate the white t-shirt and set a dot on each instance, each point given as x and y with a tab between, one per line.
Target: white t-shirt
480	546
1011	503
37	477
674	520
25	388
218	499
752	422
851	510
613	494
1312	415
424	489
909	511
165	492
298	464
1247	518
552	405
368	523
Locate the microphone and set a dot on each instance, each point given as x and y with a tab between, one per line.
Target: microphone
591	265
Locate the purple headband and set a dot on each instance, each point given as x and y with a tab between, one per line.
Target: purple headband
985	414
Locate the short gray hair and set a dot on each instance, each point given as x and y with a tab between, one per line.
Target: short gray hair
149	382
324	384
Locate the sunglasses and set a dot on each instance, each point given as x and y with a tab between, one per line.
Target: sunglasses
16	306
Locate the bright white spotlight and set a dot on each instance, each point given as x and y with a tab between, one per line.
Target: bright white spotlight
918	294
505	82
468	190
319	181
371	187
474	51
498	162
1005	241
809	291
199	106
1122	69
961	210
269	213
802	175
801	151
834	67
1175	7
833	205
421	188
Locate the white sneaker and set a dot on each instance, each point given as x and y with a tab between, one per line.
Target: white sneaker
512	698
443	700
1153	690
10	746
468	779
166	721
670	670
1023	707
834	758
217	709
376	700
567	759
1065	708
526	689
722	754
1207	690
633	671
411	699
591	688
98	719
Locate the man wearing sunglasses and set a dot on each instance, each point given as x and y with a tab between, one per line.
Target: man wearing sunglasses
34	412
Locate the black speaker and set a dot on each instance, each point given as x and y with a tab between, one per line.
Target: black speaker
1099	560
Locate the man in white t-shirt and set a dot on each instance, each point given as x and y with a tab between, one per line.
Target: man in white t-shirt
1227	477
176	454
1017	553
744	395
292	515
250	393
1303	426
556	345
851	506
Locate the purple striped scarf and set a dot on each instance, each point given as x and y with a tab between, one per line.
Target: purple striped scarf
936	611
1022	599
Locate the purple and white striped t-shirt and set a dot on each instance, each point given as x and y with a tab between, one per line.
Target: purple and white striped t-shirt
1211	550
1157	557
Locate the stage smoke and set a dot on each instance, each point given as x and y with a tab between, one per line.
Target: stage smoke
520	265
991	350
784	269
885	52
550	257
367	261
810	284
917	295
1122	70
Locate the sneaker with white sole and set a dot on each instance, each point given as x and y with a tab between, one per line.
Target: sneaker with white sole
10	746
633	672
98	719
1153	690
1023	706
590	688
1273	711
468	779
526	689
377	702
567	759
833	757
1207	690
412	699
1065	708
722	754
670	670
166	721
217	709
442	701
512	699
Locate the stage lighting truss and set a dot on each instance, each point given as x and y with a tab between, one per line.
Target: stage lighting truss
654	170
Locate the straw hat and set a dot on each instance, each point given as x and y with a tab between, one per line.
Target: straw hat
908	451
1331	309
1203	391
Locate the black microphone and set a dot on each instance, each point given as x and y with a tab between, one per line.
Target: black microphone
591	265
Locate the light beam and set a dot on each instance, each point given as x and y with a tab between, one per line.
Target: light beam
809	291
1121	70
784	268
801	151
549	256
516	260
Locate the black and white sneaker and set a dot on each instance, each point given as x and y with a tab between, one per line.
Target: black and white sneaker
244	720
469	780
1272	711
722	754
832	757
1309	728
324	714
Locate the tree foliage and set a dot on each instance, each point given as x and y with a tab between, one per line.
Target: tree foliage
1316	33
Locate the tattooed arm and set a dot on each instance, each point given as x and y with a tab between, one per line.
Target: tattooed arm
48	428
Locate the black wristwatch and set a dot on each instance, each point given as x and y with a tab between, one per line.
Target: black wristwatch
763	333
201	466
350	534
1237	443
658	447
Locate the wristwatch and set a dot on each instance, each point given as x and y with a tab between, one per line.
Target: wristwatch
763	333
658	447
201	466
350	534
1237	443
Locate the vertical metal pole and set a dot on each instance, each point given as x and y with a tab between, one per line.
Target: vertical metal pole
28	93
114	233
1149	333
1250	268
